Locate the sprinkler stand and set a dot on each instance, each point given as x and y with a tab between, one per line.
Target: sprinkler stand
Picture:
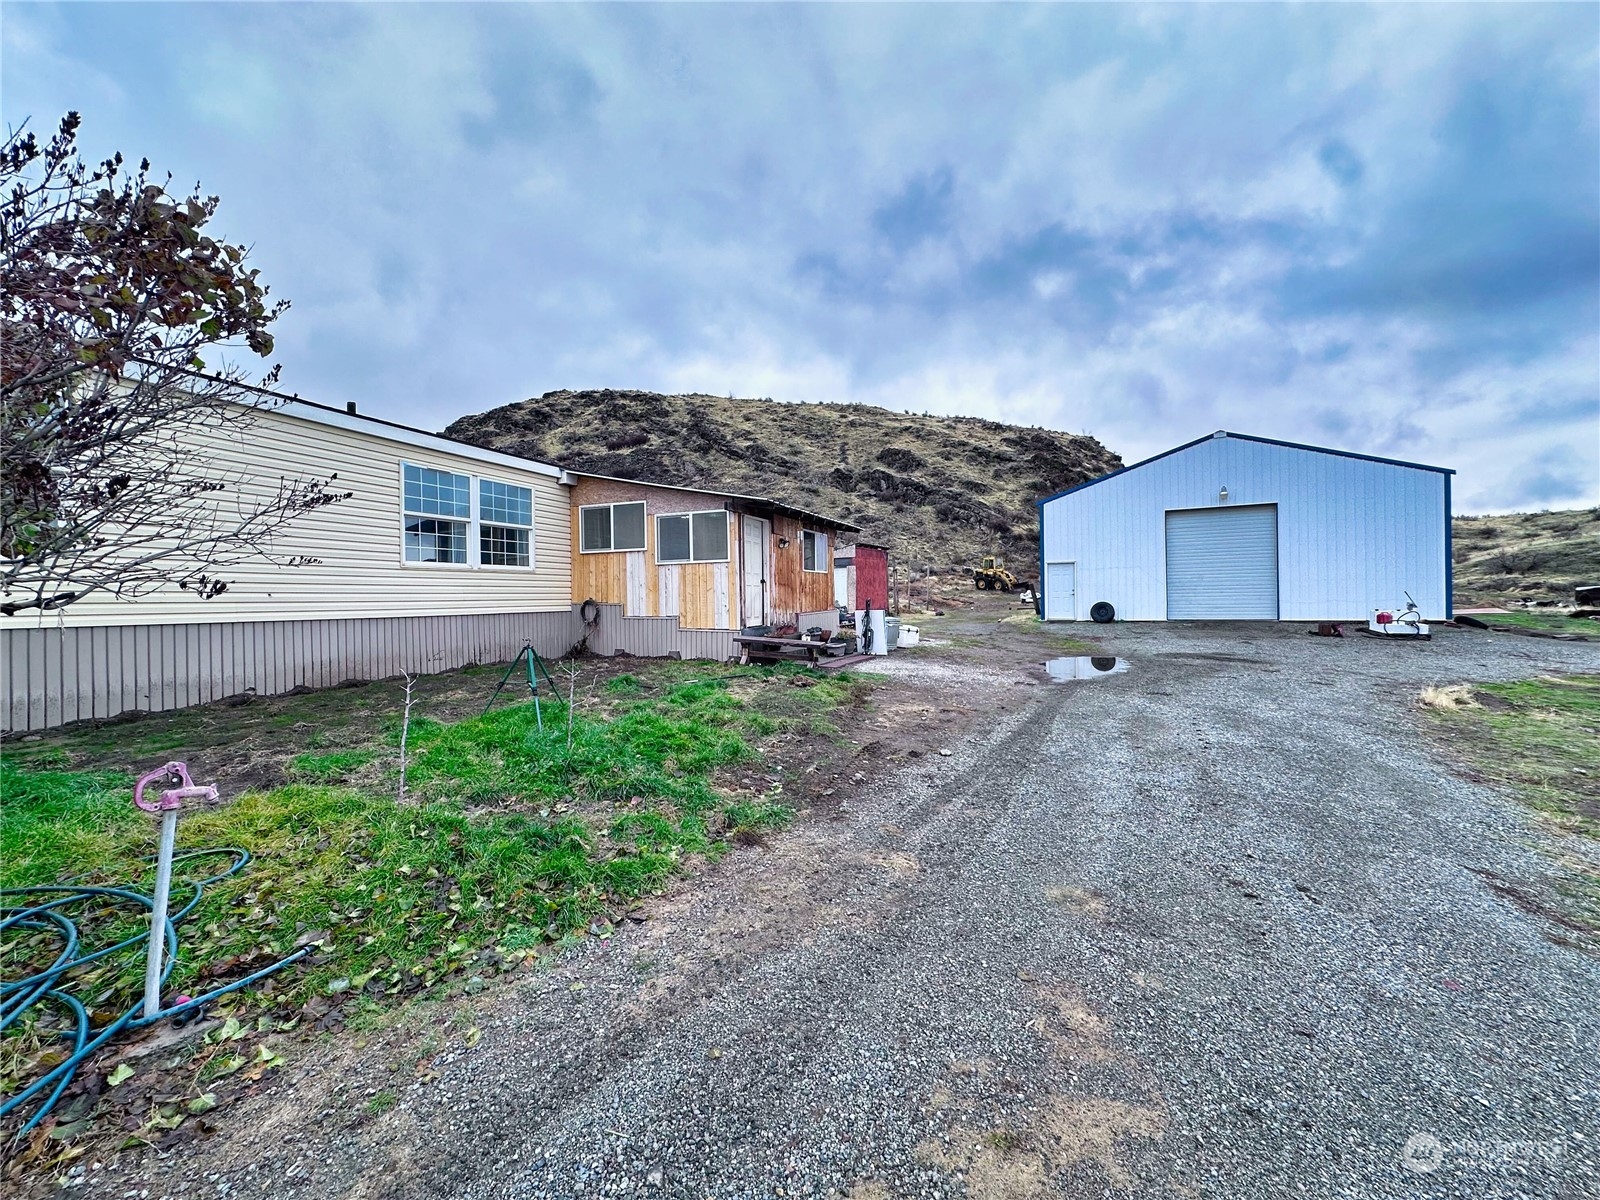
180	788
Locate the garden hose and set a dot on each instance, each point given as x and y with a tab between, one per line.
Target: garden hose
18	997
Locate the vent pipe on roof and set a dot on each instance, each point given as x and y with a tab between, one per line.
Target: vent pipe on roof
350	407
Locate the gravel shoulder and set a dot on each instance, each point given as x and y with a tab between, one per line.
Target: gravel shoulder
1219	926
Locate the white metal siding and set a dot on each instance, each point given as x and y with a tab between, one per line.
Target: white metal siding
1352	534
1222	564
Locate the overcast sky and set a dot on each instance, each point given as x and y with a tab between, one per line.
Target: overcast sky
1370	228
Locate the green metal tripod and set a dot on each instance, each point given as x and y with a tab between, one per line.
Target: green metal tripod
536	667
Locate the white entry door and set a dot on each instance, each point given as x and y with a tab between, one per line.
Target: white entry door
1061	591
754	562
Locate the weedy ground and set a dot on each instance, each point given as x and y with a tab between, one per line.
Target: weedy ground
1548	622
1519	557
520	829
1540	738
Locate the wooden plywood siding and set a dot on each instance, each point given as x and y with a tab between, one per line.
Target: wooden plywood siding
357	545
701	595
796	590
61	673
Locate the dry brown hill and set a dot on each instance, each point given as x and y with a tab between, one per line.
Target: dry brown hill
1526	557
939	491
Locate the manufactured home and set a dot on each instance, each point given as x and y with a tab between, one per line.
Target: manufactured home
1234	527
674	570
444	554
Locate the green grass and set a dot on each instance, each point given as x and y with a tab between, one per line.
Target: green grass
1546	745
381	1102
1540	738
333	767
509	840
1550	622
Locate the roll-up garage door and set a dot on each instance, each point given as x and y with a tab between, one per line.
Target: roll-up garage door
1222	564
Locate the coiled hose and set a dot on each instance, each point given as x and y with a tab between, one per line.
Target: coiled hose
17	997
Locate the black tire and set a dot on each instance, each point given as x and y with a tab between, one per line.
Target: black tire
1102	613
977	584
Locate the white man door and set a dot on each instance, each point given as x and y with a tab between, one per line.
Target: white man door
754	562
1061	591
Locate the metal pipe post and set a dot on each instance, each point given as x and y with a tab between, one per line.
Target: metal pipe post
179	788
158	913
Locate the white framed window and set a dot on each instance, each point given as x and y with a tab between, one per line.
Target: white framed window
437	515
603	528
451	519
505	524
692	537
813	550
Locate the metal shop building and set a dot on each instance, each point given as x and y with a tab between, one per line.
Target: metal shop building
1238	528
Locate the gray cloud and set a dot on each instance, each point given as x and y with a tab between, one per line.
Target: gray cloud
1377	227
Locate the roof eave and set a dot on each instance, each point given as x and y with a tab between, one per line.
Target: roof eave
1243	437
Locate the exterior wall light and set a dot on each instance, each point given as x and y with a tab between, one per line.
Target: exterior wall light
783	543
1222	496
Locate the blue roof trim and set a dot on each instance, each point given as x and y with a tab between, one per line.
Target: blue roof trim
1244	437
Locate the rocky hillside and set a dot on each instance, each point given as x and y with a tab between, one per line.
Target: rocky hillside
939	491
1526	558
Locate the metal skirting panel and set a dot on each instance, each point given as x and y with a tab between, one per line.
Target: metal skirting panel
55	675
828	619
656	637
1222	564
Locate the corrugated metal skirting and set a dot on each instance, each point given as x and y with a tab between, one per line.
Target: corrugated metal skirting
56	675
656	637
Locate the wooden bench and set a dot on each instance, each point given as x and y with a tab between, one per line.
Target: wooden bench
768	648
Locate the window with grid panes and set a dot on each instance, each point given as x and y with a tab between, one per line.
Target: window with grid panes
437	511
505	524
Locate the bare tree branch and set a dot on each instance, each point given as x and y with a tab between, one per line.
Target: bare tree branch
111	297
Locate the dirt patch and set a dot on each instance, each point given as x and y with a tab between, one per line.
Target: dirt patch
1093	1130
1070	1027
1525	899
1080	902
1022	1154
898	863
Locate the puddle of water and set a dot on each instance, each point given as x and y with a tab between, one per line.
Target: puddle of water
1062	670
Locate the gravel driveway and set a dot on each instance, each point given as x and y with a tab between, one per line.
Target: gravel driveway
1215	927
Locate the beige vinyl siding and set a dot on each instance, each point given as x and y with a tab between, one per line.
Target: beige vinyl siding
361	573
